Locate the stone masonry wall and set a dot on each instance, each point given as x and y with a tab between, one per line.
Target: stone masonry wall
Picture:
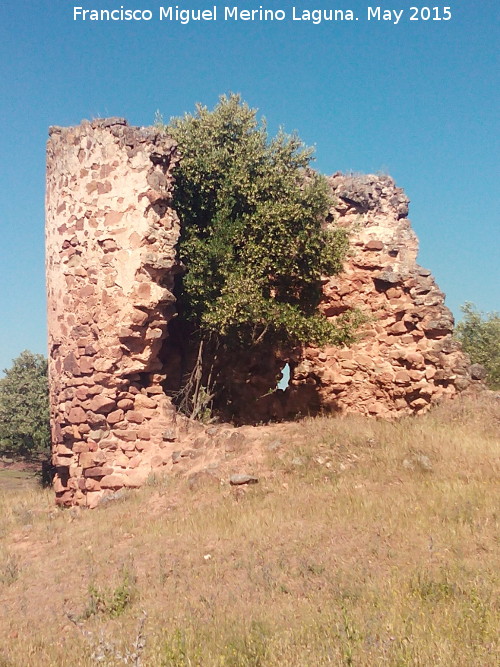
111	261
111	239
406	357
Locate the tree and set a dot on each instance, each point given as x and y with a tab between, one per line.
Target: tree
253	237
479	334
24	406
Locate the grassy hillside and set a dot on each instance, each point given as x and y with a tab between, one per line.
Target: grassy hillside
364	543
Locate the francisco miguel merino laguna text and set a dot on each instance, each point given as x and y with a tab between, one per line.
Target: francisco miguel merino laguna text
184	16
233	13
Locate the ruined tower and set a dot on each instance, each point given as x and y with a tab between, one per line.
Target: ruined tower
111	236
111	261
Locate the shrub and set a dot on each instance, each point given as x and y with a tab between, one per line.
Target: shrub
479	334
111	601
253	236
24	406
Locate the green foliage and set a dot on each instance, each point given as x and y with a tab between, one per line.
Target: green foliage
111	602
24	406
252	236
480	338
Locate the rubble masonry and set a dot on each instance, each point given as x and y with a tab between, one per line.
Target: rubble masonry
111	237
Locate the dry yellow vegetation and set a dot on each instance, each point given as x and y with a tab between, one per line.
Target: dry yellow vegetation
364	543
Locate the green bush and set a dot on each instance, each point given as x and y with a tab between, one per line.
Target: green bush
253	237
24	406
480	338
111	601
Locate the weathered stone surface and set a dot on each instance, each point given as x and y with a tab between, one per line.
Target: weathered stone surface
240	479
478	372
405	358
125	404
77	415
115	416
135	416
142	401
414	359
113	482
87	459
128	435
111	263
102	404
97	471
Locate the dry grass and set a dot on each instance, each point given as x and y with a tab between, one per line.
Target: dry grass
365	543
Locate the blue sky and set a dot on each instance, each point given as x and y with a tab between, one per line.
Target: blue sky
418	100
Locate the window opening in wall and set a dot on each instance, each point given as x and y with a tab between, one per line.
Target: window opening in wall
285	378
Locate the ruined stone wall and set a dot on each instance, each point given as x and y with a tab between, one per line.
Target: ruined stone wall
111	261
405	358
111	239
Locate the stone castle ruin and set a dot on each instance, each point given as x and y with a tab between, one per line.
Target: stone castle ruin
111	237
